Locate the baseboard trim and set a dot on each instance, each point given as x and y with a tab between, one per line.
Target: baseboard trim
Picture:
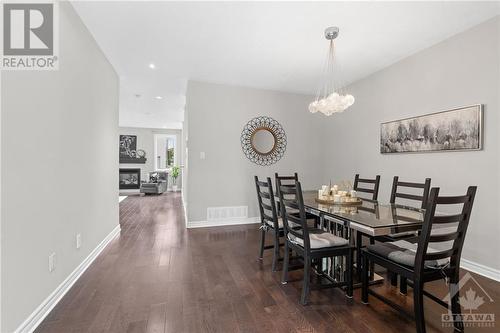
480	269
220	223
185	209
32	322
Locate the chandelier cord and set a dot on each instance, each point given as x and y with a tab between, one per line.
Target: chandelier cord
332	68
328	82
331	95
328	71
340	82
323	80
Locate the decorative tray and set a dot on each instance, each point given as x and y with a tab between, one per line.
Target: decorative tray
330	202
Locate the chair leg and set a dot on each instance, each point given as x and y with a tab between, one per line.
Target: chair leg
418	303
455	306
394	278
284	278
349	274
305	285
319	266
276	250
262	242
364	279
403	285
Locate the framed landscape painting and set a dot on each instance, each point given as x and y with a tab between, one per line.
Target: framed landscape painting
453	130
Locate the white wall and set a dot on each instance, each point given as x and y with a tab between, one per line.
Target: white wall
185	162
145	141
216	116
59	158
460	71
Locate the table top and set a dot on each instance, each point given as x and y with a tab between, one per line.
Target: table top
371	217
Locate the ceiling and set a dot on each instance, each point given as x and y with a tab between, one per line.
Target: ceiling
270	45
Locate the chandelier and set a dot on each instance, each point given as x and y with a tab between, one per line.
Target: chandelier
331	97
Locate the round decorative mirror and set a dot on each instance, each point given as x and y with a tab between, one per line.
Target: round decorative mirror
263	140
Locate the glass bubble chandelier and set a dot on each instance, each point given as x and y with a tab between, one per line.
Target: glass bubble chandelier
331	97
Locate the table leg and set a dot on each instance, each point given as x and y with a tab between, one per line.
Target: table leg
359	244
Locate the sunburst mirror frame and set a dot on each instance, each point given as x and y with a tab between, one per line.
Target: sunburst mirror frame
251	128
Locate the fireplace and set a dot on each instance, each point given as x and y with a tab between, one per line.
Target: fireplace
130	179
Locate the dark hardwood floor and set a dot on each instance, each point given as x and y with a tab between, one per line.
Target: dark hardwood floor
159	277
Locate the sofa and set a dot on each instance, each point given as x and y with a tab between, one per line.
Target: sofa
157	183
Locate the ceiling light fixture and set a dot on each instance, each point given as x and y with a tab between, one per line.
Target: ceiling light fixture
158	97
152	66
331	97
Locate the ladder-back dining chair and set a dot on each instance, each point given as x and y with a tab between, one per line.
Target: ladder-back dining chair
420	263
366	185
370	187
310	244
269	220
289	181
421	201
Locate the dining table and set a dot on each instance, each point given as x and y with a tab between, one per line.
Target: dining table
367	219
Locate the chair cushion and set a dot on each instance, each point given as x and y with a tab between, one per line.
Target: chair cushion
403	252
280	223
403	234
320	240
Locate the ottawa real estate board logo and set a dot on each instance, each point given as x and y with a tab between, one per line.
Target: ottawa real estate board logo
474	304
30	36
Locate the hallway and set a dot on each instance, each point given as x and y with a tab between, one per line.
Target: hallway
158	276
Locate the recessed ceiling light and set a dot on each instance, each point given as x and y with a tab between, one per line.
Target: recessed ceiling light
158	97
152	66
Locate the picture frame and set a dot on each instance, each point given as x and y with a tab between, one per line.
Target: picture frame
458	129
128	151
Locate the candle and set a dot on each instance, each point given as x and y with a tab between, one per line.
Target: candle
324	188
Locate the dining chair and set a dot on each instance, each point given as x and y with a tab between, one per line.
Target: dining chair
289	181
420	263
269	220
420	199
370	186
308	243
421	202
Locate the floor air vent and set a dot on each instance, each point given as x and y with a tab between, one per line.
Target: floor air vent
227	213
